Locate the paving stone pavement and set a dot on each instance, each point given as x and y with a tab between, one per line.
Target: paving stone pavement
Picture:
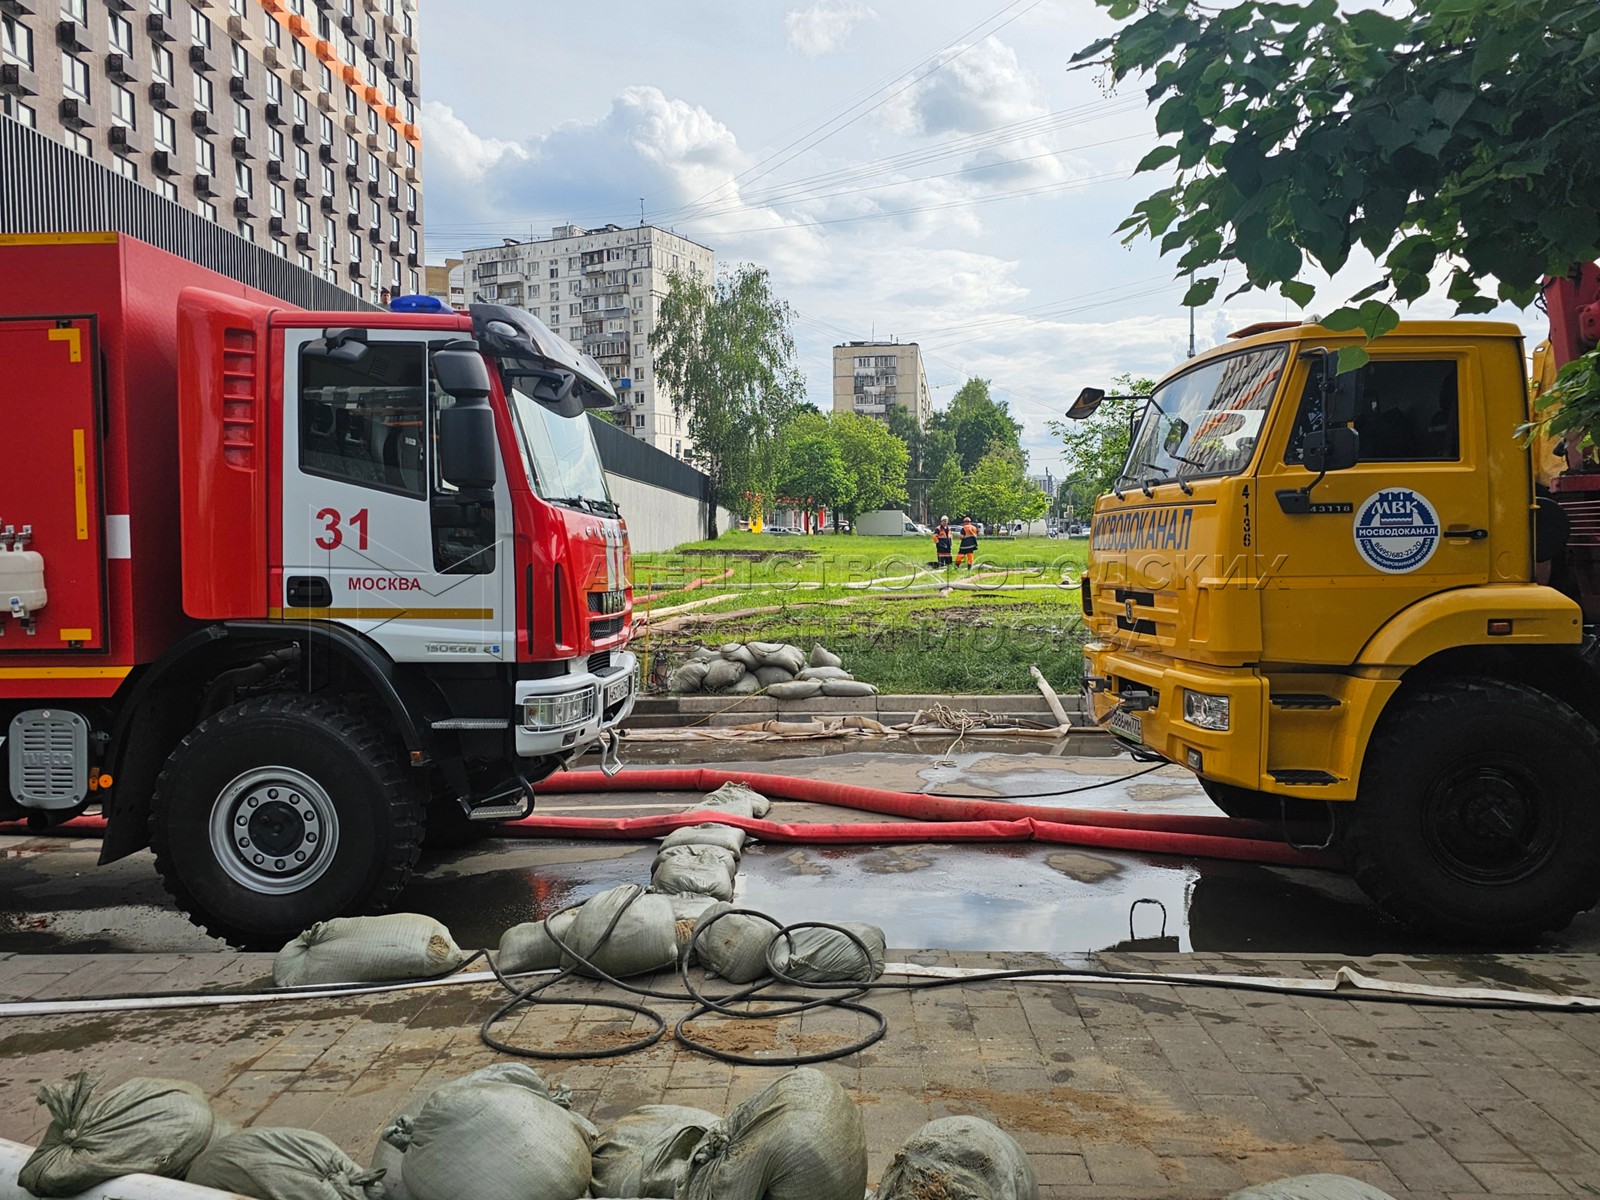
1116	1091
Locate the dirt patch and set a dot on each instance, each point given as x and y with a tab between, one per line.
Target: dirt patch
1085	868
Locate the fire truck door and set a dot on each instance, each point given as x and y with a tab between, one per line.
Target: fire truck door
372	537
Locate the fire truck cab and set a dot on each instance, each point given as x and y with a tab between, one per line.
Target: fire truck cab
283	588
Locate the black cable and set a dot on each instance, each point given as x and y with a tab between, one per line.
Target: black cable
1088	787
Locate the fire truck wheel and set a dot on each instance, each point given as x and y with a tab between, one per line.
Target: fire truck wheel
1476	817
1242	801
282	811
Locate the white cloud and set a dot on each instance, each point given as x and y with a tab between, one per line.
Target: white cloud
825	26
973	88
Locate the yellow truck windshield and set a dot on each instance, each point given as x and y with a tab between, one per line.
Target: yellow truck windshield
1206	421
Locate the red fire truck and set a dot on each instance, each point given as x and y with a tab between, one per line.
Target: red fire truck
279	589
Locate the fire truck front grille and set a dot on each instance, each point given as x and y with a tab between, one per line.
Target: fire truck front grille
600	663
610	627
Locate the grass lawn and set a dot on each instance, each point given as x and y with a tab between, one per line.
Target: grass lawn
878	604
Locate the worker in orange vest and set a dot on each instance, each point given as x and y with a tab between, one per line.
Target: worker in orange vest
969	542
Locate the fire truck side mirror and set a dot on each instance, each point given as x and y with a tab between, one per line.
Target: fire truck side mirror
467	448
1088	400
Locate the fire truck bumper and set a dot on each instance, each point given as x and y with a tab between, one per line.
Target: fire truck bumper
569	713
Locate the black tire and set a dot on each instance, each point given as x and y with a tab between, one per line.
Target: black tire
1476	817
1245	802
261	779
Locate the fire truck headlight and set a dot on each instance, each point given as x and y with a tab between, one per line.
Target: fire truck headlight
1205	711
560	711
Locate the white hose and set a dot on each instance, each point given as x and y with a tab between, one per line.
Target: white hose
124	1187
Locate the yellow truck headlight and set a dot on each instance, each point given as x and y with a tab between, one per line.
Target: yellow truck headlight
1206	711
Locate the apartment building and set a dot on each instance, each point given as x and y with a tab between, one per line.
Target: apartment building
601	289
292	123
870	378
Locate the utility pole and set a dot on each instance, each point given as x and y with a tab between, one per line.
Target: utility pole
1191	319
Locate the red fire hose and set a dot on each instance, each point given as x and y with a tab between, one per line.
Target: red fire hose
929	819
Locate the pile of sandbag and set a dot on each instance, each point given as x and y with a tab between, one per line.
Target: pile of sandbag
736	946
778	670
624	931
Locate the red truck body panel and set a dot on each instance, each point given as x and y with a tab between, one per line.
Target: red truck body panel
122	580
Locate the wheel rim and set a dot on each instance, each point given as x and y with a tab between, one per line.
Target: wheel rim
1491	822
274	830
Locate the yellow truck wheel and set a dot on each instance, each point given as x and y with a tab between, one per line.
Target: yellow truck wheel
1477	818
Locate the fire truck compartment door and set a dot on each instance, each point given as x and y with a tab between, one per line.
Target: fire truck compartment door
50	478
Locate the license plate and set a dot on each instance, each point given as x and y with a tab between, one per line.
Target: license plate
618	689
1126	725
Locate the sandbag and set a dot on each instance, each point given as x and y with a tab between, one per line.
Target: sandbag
284	1164
740	653
690	677
733	947
729	837
848	687
800	1139
703	654
367	950
647	1152
787	658
492	1141
153	1126
696	870
1313	1187
823	673
687	911
828	956
768	676
821	657
800	689
643	939
735	798
959	1158
762	649
724	674
744	687
529	946
390	1159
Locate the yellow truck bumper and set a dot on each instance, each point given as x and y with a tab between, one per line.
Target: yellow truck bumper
1294	735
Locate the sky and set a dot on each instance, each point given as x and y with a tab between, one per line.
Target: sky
921	170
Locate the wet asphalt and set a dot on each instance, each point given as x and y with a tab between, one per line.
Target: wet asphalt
1010	897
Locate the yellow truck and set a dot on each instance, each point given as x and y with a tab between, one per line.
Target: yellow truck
1325	595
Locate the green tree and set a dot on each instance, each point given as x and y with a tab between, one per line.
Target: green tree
904	425
979	423
1450	137
1097	446
725	352
811	471
999	490
875	461
947	493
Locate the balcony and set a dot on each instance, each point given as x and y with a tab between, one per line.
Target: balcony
202	58
77	113
157	26
18	80
302	188
203	185
329	205
241	206
274	225
239	88
300	135
239	29
164	162
302	240
72	36
163	96
241	147
122	140
120	68
273	114
203	121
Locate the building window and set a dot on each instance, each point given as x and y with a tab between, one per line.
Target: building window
372	120
275	144
297	54
277	200
326	76
327	180
245	230
411	207
241	119
236	7
327	129
533	291
301	109
18	111
411	113
373	169
167	189
306	263
76	141
203	94
120	33
411	155
352	150
162	8
274	89
355	202
123	111
206	209
161	63
199	28
164	131
415	284
125	167
74	77
302	163
241	61
16	42
274	31
205	156
78	10
302	215
330	240
351	100
243	179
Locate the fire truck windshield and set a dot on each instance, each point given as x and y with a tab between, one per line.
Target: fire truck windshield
560	455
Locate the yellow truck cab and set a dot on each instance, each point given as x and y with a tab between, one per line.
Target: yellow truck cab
1317	587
